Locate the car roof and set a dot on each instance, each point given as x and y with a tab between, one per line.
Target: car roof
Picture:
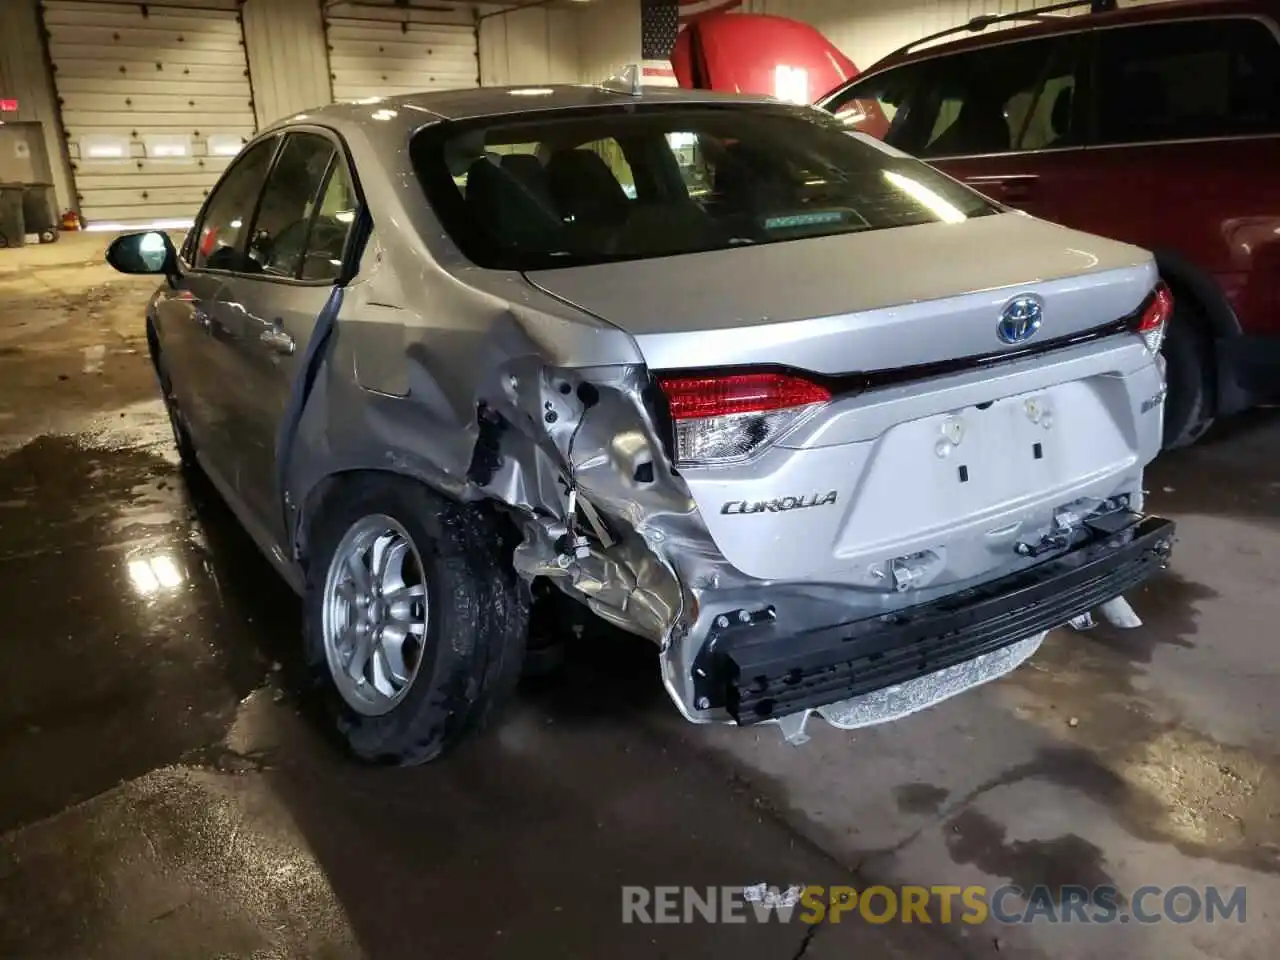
413	109
1050	25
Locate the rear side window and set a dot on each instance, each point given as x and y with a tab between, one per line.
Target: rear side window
576	187
1015	96
331	226
1178	81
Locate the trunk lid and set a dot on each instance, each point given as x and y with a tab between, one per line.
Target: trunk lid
875	300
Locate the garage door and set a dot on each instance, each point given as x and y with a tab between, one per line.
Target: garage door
155	102
380	52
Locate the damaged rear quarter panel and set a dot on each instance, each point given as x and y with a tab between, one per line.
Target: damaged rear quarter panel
472	381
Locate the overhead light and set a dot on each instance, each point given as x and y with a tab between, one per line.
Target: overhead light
791	83
152	225
223	144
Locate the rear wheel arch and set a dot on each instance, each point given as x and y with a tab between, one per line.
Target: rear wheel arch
476	616
325	491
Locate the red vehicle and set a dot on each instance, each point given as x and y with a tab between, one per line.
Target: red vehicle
1158	125
758	53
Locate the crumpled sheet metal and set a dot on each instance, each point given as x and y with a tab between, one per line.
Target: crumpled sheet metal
663	561
504	422
609	451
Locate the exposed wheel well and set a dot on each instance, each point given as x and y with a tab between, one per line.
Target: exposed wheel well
336	484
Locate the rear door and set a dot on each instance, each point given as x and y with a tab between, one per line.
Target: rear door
1005	119
1187	151
296	252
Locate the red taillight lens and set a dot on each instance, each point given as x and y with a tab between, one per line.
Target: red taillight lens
729	418
1159	309
719	396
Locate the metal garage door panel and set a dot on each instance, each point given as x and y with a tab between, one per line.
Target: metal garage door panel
382	58
155	99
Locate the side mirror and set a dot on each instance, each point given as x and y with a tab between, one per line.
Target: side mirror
150	252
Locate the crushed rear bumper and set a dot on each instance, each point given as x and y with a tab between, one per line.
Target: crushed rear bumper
758	670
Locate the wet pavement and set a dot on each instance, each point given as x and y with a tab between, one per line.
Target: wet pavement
167	793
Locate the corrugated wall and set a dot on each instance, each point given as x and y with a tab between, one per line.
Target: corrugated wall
284	40
24	77
537	45
608	39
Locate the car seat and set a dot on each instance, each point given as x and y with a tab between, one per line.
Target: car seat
585	189
980	127
512	214
528	169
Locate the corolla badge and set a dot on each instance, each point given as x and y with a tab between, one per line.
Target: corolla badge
1020	319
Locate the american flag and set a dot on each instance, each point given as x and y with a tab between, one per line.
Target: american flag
660	21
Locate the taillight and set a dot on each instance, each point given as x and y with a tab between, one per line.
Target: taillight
728	418
1155	316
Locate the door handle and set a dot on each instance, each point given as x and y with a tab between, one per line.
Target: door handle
277	339
1012	188
1018	190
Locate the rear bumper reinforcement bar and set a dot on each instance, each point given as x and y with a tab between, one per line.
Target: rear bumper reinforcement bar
759	670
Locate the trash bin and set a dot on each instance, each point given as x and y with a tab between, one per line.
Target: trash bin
40	210
13	226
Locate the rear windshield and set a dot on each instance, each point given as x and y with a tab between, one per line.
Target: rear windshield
564	188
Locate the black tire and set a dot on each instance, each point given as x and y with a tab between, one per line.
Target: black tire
1188	407
479	613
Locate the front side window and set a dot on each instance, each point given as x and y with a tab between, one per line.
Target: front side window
1178	81
696	178
1014	96
220	241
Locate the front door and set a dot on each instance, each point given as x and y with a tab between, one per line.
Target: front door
196	331
296	249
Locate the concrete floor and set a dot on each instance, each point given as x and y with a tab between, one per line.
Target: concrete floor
165	793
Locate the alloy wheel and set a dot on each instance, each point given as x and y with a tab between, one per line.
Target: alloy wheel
375	614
